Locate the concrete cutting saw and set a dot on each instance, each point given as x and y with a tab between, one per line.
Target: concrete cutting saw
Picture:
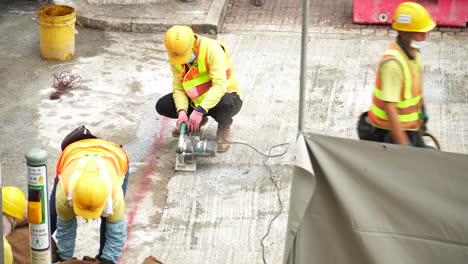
190	148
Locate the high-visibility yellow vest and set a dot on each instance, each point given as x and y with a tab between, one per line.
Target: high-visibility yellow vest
409	107
197	81
110	158
7	253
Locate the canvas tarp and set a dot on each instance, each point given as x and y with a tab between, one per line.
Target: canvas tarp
364	202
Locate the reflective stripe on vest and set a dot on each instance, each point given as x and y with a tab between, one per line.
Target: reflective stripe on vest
91	146
408	109
197	81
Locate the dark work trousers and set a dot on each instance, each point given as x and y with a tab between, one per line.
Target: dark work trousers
368	132
53	213
229	105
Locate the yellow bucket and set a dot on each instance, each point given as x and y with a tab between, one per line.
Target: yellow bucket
57	31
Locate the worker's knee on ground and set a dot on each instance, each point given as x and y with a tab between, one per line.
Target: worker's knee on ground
165	106
159	107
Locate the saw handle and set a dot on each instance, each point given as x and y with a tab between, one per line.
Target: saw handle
183	131
183	128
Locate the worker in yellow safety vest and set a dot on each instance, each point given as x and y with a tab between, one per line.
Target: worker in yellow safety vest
91	181
203	84
14	205
397	111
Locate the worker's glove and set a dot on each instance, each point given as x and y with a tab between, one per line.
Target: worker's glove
182	118
195	120
409	144
106	261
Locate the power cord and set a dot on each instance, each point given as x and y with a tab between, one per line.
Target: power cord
268	156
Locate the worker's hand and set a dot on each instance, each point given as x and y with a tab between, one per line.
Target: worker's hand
195	120
182	118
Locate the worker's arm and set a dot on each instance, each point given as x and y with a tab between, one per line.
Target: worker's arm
66	225
116	230
398	134
218	66
181	99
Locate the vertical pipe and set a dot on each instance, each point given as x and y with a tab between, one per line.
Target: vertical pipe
38	207
302	87
302	81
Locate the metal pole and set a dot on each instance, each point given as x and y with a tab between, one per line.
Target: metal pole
38	207
302	81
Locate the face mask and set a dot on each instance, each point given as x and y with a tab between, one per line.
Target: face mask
192	58
417	44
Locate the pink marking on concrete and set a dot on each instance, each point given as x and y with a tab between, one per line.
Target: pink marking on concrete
142	188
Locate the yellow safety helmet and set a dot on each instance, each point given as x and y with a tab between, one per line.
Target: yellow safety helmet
179	41
13	201
412	17
90	193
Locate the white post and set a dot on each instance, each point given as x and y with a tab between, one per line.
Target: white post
38	207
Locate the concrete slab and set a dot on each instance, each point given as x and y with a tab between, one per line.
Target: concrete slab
205	16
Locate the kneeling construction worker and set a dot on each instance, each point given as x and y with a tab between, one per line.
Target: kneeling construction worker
91	181
397	113
204	84
14	205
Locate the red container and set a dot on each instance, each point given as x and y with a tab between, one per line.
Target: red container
444	12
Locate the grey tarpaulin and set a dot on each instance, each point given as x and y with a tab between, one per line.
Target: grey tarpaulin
363	202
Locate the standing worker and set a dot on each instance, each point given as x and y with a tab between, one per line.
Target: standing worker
204	84
397	113
14	205
91	181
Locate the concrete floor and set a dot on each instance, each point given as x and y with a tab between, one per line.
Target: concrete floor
220	213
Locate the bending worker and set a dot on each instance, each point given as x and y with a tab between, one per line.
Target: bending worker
204	84
397	113
13	204
91	181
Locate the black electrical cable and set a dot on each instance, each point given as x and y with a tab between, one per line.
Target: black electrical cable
274	182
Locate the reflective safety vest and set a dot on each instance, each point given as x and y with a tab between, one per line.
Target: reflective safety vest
197	81
409	107
110	159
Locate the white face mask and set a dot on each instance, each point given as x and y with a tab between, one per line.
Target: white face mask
192	58
417	44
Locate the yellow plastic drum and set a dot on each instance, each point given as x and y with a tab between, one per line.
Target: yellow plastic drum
57	31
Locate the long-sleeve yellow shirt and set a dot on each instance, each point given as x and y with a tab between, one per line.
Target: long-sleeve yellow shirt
217	70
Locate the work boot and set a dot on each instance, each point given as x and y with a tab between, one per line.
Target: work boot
223	136
176	132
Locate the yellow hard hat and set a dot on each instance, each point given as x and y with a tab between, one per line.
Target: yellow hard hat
412	17
90	193
179	42
13	201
